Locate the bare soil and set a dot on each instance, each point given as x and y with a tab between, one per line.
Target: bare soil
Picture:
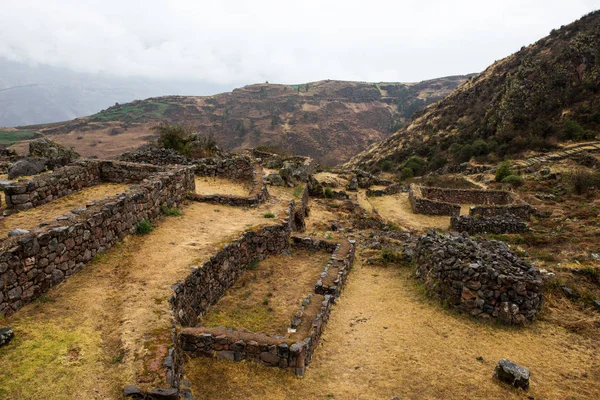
108	325
397	209
47	212
217	185
264	299
386	339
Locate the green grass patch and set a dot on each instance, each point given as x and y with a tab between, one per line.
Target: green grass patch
132	112
298	191
269	215
170	212
9	138
144	227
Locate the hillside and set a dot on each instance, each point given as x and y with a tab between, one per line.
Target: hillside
328	120
546	94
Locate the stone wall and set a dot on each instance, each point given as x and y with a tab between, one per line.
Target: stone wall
50	186
480	277
294	352
258	193
489	203
422	205
391	189
208	283
497	224
32	263
239	167
519	211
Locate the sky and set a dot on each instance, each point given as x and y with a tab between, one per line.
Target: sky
243	42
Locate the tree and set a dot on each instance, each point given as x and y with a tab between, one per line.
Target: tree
503	171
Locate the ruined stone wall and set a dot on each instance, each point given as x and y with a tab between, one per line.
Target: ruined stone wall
294	352
240	167
483	278
467	196
519	211
421	205
258	193
127	172
208	283
32	263
52	185
497	224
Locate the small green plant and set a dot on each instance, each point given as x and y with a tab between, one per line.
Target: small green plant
265	302
387	165
117	359
253	265
514	180
298	191
333	205
329	236
328	193
144	227
503	171
170	212
269	215
45	299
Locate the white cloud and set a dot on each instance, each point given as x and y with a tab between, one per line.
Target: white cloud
239	42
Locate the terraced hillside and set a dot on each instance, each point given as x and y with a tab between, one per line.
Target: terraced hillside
327	120
545	94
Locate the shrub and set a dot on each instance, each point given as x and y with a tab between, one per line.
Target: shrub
417	164
328	193
514	180
144	227
572	130
253	265
406	173
173	136
170	212
387	165
503	171
581	181
269	215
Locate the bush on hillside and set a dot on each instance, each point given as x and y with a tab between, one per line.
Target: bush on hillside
503	171
514	180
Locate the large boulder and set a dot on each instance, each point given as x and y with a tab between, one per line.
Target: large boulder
56	154
27	166
511	373
6	335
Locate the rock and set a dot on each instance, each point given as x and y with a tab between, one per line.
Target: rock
56	154
163	393
6	335
569	292
315	188
596	305
132	391
353	184
275	179
511	373
153	155
595	256
27	166
17	232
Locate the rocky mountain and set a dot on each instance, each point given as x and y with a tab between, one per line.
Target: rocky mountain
328	120
532	100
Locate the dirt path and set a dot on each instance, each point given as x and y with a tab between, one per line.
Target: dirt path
386	339
47	212
108	325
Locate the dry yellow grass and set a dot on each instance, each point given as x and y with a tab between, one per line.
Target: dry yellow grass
217	185
397	209
47	212
385	339
113	315
264	299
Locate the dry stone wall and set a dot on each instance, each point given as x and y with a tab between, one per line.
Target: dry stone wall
239	167
422	205
482	278
50	186
32	263
496	224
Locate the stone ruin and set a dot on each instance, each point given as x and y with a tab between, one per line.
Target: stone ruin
494	211
482	278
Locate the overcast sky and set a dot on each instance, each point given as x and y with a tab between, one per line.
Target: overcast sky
242	42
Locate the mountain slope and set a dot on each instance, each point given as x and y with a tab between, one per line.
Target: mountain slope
544	94
328	120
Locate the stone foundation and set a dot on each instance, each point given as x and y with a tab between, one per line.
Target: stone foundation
482	278
482	225
32	263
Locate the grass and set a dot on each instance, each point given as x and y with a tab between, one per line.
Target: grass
144	227
392	256
132	112
170	212
269	215
328	193
268	293
8	138
298	191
